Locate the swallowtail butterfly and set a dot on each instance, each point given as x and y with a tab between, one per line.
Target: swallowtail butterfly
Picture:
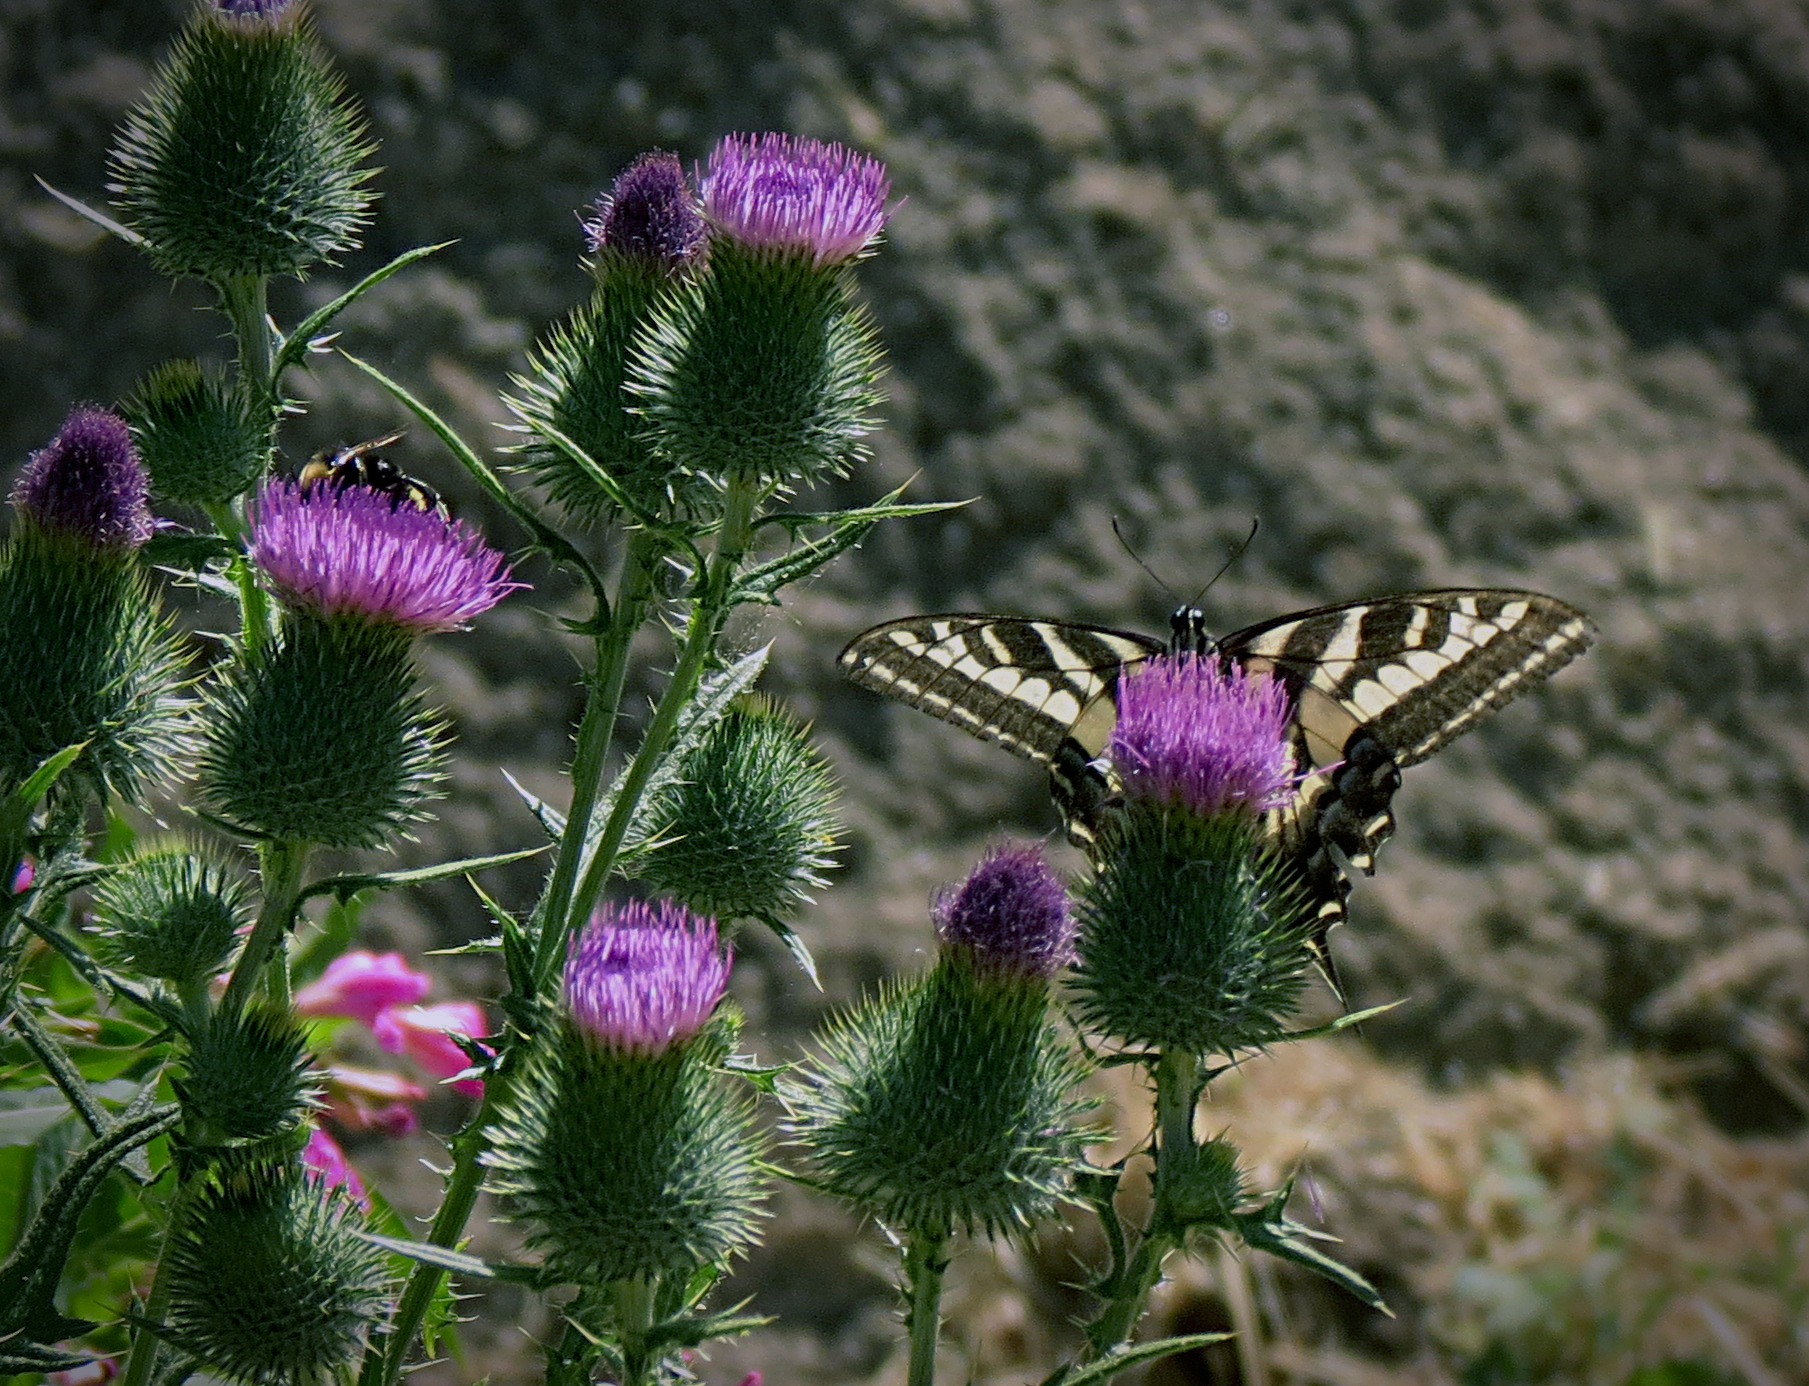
1376	686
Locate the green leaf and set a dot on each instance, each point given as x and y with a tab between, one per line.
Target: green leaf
799	950
298	342
188	553
551	820
886	508
546	538
30	1275
1124	1358
1268	1229
458	1262
1343	1022
87	213
17	808
345	887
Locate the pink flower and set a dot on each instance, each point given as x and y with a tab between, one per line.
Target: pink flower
425	1033
371	1099
361	985
1200	734
88	1374
351	550
786	193
323	1157
24	876
644	977
88	481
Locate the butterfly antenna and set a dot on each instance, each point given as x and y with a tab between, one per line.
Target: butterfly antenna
1138	560
1225	567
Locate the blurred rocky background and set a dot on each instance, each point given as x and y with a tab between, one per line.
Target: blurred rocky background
1441	292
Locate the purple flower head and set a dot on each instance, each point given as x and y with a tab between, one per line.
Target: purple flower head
643	977
1011	913
788	193
350	550
650	214
252	9
88	481
1203	735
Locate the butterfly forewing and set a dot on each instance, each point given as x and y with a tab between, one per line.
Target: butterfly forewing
1029	685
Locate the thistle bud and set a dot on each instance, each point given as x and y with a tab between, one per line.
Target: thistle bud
203	444
173	913
319	734
947	1104
85	652
247	1077
763	368
646	236
748	828
1193	934
624	1146
246	158
268	1280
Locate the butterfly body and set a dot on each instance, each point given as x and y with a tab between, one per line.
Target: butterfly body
362	464
1376	686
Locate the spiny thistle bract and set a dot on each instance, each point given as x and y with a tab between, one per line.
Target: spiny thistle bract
203	443
1194	933
945	1104
646	236
173	913
749	827
246	158
247	1076
630	1165
269	1282
625	1148
320	735
86	654
763	368
1202	1185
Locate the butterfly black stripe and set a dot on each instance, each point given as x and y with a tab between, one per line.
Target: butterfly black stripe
1376	686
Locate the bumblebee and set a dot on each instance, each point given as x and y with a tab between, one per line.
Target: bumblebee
361	464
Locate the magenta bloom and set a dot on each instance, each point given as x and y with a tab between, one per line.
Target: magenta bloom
644	977
88	481
425	1033
24	876
252	9
1203	735
650	214
349	550
1010	914
372	1099
360	984
786	193
326	1160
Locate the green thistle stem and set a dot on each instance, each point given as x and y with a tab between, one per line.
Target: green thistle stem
733	540
600	713
634	1322
246	299
384	1359
254	604
1177	1090
926	1260
280	875
143	1358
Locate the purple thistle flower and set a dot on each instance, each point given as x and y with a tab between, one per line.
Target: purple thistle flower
787	193
88	481
649	214
1203	735
252	9
1011	913
644	977
350	550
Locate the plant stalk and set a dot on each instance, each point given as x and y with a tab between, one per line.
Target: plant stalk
926	1260
280	871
